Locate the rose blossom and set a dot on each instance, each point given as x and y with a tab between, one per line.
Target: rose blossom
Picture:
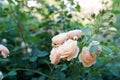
4	51
54	56
59	39
86	58
74	34
68	50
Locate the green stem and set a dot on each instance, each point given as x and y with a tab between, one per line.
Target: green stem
40	73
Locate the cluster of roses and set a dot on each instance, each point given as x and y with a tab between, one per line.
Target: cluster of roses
4	51
65	48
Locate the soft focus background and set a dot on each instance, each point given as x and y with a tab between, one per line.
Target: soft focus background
27	26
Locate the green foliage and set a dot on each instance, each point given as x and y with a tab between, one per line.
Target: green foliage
12	73
93	48
36	26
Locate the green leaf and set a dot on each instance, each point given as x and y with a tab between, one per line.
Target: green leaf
115	70
4	60
43	54
25	56
28	73
64	67
78	8
12	73
33	59
37	52
34	78
93	48
42	78
107	49
59	75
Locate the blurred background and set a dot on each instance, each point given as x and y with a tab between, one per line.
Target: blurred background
27	26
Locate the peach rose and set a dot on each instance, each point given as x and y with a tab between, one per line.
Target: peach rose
99	49
54	56
68	50
74	34
59	39
86	58
4	51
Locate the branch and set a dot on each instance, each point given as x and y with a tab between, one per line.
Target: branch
40	73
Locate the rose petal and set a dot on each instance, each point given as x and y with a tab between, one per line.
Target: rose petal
59	39
74	34
54	56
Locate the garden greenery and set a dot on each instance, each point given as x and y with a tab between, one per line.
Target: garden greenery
60	39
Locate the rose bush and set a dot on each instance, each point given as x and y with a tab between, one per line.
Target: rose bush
29	27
